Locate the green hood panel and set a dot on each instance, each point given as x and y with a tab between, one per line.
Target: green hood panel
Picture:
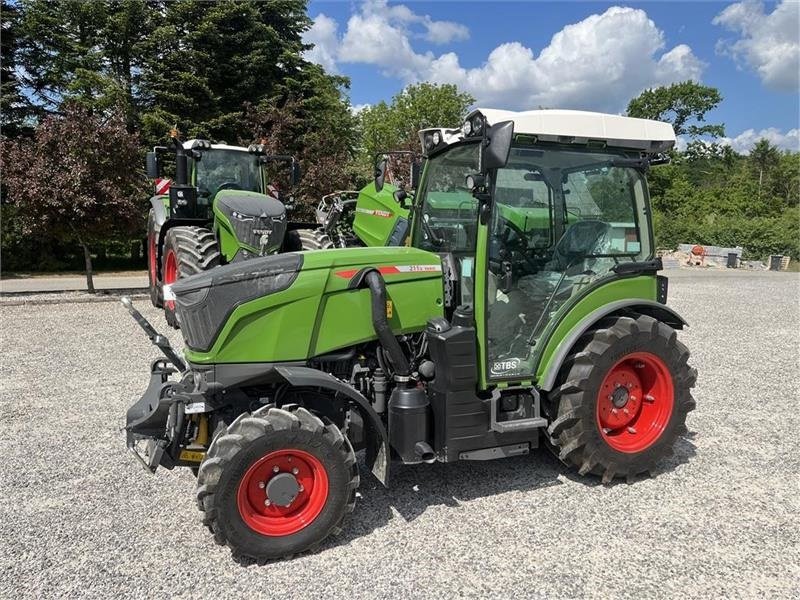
319	312
378	217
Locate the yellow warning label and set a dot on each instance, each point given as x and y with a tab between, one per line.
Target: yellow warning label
389	309
192	455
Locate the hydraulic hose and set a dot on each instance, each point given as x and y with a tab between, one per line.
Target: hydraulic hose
377	287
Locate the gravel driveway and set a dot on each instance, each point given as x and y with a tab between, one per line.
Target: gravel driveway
81	518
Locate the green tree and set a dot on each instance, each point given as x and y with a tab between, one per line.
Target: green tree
683	104
73	181
395	125
763	157
88	52
13	105
205	60
312	120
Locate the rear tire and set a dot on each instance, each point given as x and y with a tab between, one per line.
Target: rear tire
242	458
154	282
622	398
187	251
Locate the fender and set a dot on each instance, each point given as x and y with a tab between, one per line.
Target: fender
378	443
646	307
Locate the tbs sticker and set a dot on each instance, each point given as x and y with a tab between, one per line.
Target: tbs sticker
502	367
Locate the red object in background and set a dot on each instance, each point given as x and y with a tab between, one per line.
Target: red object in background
162	185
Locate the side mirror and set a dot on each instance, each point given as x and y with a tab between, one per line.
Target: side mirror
380	173
415	174
153	166
495	146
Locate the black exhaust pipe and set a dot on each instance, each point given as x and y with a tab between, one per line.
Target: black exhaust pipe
376	285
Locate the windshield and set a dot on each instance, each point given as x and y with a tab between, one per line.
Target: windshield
228	169
448	212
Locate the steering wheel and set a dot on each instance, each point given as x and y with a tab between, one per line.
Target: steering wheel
229	185
518	245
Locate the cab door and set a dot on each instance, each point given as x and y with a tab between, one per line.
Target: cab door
560	221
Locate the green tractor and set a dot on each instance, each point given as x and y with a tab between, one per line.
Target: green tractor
527	310
220	208
376	215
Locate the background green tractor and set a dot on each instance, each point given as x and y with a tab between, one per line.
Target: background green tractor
376	215
219	208
527	308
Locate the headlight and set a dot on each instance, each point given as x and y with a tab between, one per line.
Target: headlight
437	138
240	217
466	128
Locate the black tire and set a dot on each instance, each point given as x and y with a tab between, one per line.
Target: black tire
196	250
315	239
247	440
575	431
153	278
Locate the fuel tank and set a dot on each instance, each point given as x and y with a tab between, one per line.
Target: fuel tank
294	306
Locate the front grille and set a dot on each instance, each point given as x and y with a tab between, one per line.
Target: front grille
250	231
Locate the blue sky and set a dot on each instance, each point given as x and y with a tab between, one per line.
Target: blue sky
584	55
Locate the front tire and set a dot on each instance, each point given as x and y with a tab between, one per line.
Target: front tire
622	398
290	455
187	251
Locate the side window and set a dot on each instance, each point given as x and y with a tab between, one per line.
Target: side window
607	195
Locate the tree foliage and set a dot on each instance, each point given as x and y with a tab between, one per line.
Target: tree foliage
394	126
72	181
313	121
683	104
205	60
727	199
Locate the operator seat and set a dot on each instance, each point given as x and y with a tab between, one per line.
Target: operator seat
580	240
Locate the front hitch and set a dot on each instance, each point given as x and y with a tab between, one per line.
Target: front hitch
157	419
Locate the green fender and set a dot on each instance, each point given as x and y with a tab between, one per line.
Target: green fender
378	441
660	312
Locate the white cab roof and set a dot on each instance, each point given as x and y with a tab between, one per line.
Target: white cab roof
187	145
582	127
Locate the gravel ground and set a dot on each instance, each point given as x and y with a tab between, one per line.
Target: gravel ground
722	519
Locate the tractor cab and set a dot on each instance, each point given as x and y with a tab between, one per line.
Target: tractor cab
531	209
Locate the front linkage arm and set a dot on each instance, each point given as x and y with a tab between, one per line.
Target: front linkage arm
158	340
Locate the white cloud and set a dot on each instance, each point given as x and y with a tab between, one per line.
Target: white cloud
358	108
444	32
324	35
745	141
768	43
598	63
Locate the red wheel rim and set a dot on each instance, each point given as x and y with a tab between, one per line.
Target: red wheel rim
272	519
151	250
170	274
635	402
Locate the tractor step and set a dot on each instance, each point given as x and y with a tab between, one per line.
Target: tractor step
517	425
496	452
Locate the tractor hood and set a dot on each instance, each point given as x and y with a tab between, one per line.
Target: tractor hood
207	302
204	301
